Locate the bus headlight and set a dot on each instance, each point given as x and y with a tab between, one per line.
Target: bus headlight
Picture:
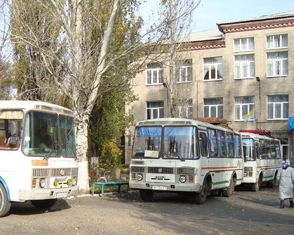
139	176
182	179
56	183
42	183
69	182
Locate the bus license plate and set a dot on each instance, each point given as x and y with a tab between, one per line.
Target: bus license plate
61	195
154	187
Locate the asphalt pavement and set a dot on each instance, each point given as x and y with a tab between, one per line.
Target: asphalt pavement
245	212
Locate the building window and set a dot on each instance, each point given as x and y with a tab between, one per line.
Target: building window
155	110
213	107
244	66
154	73
277	41
277	107
277	64
184	71
243	44
185	108
213	68
244	108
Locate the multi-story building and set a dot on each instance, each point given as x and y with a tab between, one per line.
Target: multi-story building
242	72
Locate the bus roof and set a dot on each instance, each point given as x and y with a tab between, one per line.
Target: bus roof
182	121
33	105
260	132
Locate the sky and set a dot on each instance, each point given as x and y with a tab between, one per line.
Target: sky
211	12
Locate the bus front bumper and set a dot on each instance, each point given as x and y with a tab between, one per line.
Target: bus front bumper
42	194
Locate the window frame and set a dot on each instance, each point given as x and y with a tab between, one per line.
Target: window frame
185	106
240	107
155	73
277	64
277	41
211	68
240	45
155	106
184	71
217	105
275	107
244	63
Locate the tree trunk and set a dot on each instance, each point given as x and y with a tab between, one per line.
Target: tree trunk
81	151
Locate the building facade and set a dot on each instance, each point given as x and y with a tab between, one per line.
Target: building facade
242	72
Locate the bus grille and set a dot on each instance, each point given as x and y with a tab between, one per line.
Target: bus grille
137	169
60	171
45	172
161	170
40	172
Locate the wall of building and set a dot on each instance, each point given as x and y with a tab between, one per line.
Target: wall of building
228	88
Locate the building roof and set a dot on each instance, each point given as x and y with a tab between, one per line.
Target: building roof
212	34
216	34
264	17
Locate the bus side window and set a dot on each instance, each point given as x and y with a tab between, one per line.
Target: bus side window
212	143
203	144
221	143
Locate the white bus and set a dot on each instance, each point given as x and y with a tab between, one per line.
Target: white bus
37	154
185	156
262	158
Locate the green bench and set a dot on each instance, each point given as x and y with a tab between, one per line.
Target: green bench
109	183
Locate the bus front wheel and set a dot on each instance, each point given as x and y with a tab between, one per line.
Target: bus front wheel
5	205
43	204
255	187
146	195
200	197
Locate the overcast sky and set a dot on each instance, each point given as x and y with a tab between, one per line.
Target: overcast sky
211	12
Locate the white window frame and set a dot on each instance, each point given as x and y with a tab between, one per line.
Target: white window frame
279	109
213	68
277	41
216	107
154	75
244	44
244	66
185	108
243	106
278	66
184	68
155	110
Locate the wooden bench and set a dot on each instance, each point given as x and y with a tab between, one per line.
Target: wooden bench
109	183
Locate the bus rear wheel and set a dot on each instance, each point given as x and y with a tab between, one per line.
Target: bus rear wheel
146	195
230	190
43	204
5	205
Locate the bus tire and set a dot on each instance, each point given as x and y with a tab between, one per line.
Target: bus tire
228	192
272	183
255	187
200	198
44	204
146	195
5	205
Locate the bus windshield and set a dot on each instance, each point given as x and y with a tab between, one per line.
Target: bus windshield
48	135
166	142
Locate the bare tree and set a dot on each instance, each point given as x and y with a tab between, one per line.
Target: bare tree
88	32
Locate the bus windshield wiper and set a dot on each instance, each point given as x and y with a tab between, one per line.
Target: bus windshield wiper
50	150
